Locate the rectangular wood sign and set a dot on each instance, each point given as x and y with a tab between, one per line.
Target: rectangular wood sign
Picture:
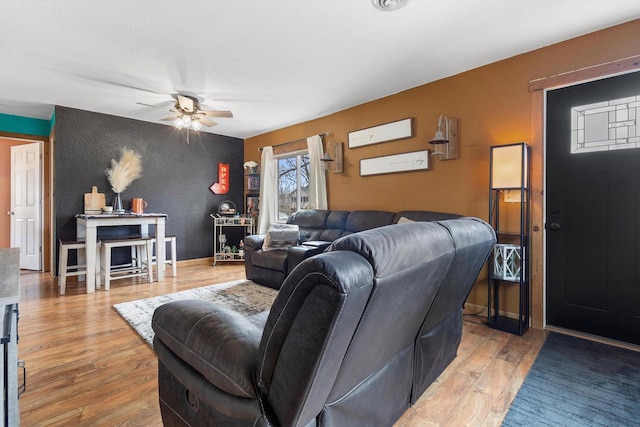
382	133
404	162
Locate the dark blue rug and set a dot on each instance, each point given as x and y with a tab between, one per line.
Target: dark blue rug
576	382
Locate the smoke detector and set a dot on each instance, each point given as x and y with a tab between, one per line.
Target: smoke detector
389	5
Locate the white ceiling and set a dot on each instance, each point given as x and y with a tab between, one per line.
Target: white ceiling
272	62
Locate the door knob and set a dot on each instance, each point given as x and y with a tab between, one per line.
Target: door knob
10	213
554	226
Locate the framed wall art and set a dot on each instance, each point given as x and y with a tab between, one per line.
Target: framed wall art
382	133
404	162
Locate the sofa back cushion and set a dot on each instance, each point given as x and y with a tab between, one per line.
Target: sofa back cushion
318	224
326	225
309	218
423	216
365	220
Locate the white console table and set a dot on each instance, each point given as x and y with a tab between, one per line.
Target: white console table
87	230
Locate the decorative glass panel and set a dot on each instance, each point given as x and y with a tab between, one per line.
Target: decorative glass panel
604	126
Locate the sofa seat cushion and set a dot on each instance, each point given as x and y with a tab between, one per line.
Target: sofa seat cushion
221	344
271	260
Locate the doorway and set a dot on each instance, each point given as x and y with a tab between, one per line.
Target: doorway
26	204
593	208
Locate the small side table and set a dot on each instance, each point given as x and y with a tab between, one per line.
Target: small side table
219	224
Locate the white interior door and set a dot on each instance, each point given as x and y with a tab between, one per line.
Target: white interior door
26	204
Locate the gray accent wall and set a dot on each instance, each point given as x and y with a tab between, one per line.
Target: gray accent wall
175	178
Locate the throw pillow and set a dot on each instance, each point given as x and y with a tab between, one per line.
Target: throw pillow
281	236
404	220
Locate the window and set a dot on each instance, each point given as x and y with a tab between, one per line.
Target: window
604	126
293	184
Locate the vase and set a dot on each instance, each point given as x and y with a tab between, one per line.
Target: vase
117	204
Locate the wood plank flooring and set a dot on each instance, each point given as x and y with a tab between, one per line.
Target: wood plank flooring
87	367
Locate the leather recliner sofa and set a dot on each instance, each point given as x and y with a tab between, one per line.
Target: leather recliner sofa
354	337
318	229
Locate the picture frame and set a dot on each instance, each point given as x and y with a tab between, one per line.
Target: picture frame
253	182
400	129
252	206
403	162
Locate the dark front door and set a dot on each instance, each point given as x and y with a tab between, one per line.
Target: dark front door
593	208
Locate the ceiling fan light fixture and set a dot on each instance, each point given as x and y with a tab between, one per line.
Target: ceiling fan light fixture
189	115
389	5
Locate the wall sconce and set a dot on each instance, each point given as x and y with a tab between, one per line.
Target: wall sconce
509	170
446	138
332	159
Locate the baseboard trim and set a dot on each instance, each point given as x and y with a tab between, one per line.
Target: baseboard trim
196	261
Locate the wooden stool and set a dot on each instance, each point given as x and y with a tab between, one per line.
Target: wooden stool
140	268
169	260
65	270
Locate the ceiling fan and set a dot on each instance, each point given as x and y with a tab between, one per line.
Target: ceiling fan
189	114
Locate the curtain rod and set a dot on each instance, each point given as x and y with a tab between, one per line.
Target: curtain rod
297	140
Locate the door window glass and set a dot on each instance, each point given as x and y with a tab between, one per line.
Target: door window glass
604	126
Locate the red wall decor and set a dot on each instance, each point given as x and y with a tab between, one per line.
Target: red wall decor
222	186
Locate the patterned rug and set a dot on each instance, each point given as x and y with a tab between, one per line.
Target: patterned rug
576	382
242	296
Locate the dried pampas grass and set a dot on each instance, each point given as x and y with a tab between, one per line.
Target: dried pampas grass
123	172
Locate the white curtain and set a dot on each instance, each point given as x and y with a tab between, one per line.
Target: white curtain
317	179
268	191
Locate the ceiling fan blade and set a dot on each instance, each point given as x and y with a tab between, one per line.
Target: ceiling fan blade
185	103
169	119
207	122
227	114
164	104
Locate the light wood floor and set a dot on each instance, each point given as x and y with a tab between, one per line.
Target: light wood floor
86	366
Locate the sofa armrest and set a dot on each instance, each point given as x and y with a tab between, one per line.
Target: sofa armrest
221	344
254	242
320	244
297	254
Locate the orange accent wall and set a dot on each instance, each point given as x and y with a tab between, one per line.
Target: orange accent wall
493	106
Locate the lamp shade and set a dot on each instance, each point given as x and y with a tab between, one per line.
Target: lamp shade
509	166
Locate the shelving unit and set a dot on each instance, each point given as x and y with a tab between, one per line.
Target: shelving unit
509	264
219	225
252	195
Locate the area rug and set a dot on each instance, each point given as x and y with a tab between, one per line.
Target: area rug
576	382
242	296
